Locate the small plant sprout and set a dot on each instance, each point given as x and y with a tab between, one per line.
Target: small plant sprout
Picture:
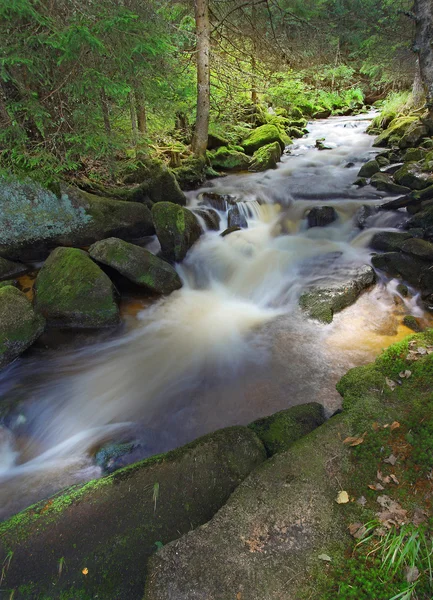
6	565
61	566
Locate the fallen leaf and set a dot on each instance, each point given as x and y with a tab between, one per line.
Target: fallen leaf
391	384
392	513
383	478
405	374
375	426
85	571
325	557
362	501
357	530
355	441
391	460
395	425
239	596
419	516
412	574
394	478
422	350
342	497
377	487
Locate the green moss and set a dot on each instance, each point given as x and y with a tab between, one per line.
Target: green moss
177	229
264	135
229	159
395	131
266	157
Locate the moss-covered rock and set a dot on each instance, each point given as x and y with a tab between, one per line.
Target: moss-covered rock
295	132
321	303
268	540
413	135
156	182
229	159
388	241
411	175
191	173
395	131
413	323
137	264
216	140
110	527
414	155
369	168
262	136
72	291
266	157
20	326
385	183
177	229
423	218
399	264
9	269
280	430
418	247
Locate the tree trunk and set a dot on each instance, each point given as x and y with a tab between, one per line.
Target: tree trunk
423	10
133	119
141	112
105	112
199	142
254	96
418	96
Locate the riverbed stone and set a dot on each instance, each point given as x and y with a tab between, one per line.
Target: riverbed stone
363	214
388	241
280	430
322	302
262	136
72	291
395	131
413	135
9	269
266	157
177	229
385	183
321	216
369	169
156	182
105	531
229	159
236	218
20	326
399	264
418	247
412	176
137	264
210	217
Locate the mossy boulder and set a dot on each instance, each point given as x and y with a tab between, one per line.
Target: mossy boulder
191	173
262	136
229	159
321	303
20	326
411	175
9	269
385	183
280	430
295	132
395	131
156	182
268	540
266	157
399	264
423	218
109	528
418	247
369	168
388	241
72	291
414	155
177	229
137	264
216	140
413	135
413	323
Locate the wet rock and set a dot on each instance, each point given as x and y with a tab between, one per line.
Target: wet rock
295	132
20	326
392	168
349	165
230	230
385	183
388	241
262	136
360	182
320	144
236	219
110	527
7	282
177	229
382	161
266	157
229	159
321	303
322	114
210	217
363	214
403	290
418	247
321	216
413	323
423	219
399	264
412	176
218	201
72	291
137	264
11	269
395	131
414	155
279	431
369	169
402	202
114	456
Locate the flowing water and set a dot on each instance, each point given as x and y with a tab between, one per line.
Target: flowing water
229	347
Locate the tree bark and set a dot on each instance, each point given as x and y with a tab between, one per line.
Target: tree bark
133	119
199	142
418	95
141	112
423	11
105	111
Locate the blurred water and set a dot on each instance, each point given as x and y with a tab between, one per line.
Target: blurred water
230	346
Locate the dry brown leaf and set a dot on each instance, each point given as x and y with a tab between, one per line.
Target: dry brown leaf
405	374
411	574
422	350
375	426
395	425
377	487
394	478
383	478
391	460
362	501
419	516
357	530
239	596
392	513
355	441
390	383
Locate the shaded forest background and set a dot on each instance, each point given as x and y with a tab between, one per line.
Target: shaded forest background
87	86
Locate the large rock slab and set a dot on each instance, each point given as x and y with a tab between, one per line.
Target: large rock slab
137	264
34	220
103	533
20	326
72	291
177	229
322	302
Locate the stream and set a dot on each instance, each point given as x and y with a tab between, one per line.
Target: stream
230	346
